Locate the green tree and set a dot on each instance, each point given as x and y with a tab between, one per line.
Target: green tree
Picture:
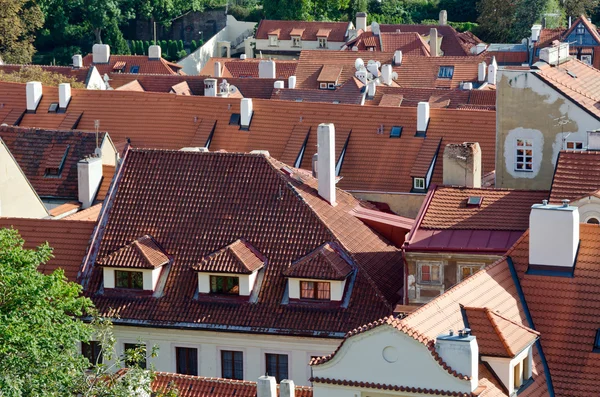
180	46
172	49
460	10
575	8
36	73
193	46
527	13
19	19
496	19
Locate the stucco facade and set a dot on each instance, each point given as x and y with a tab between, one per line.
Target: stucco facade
534	117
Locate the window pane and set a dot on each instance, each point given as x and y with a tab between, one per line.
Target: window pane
187	360
283	368
271	364
137	280
307	290
121	279
238	365
227	364
323	290
92	351
435	273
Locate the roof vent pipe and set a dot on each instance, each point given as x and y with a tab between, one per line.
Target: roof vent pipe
77	61
64	95
33	91
326	162
246	112
422	117
279	84
217	69
292	82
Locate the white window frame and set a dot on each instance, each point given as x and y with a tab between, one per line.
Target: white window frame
296	41
574	144
419	183
587	59
331	86
521	145
322	42
323	86
273	40
420	264
230	348
472	266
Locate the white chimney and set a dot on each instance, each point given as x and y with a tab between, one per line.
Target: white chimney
210	87
326	162
77	61
100	53
443	17
154	52
33	92
461	352
462	165
492	71
397	57
266	386
375	28
217	69
89	176
434	45
593	140
371	89
422	116
279	84
266	69
361	21
287	388
246	112
386	74
243	57
64	95
535	32
361	75
553	235
467	86
292	82
481	71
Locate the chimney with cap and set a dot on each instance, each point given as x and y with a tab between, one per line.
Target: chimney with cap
89	176
100	53
481	71
154	52
287	388
77	61
443	18
33	92
326	162
361	21
292	82
462	165
386	74
553	236
217	69
210	87
535	32
461	353
434	42
266	386
246	113
397	57
422	118
64	95
267	70
279	84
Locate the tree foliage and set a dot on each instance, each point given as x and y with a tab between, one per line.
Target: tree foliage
36	73
575	8
19	19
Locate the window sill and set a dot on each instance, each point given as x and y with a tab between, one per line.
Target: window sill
523	170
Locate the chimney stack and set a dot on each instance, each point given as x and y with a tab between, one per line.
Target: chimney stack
361	21
154	52
492	71
77	61
210	87
371	89
266	386
386	74
279	84
481	69
593	140
434	45
462	165
397	57
287	388
467	86
89	176
422	118
535	32
326	162
292	82
33	92
64	95
246	113
361	75
461	353
217	69
100	53
267	70
553	236
443	18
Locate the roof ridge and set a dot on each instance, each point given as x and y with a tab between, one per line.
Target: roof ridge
498	331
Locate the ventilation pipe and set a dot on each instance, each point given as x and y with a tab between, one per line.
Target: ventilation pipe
422	117
292	82
154	52
326	162
33	91
246	112
210	87
77	61
64	95
100	53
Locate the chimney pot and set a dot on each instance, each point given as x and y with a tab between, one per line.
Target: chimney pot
545	202
246	112
100	53
154	52
77	61
450	332
33	92
292	82
243	57
64	95
326	162
565	203
266	386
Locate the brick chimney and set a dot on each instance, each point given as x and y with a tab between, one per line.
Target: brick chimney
100	53
462	165
326	162
33	93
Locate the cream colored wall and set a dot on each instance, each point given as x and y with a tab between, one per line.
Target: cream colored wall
210	343
403	204
109	152
17	197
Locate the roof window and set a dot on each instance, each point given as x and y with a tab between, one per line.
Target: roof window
597	342
446	72
56	161
53	107
396	132
474	201
234	119
119	66
134	69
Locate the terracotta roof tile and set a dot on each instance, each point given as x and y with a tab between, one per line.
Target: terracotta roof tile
429	149
181	89
547	36
108	171
146	65
142	253
391	100
133	85
410	43
329	73
89	214
324	263
453	42
337	29
297	32
238	257
577	174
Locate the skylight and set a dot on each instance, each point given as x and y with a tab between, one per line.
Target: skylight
396	132
474	201
134	69
234	119
446	72
53	107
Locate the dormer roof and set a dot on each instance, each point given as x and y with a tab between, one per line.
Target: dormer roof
329	73
238	257
577	175
143	253
323	32
297	32
324	263
498	335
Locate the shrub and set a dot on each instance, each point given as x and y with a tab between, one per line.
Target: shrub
181	54
193	45
180	45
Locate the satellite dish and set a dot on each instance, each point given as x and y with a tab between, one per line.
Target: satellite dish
378	64
394	76
359	64
370	62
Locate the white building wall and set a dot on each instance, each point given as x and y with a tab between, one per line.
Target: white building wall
210	343
109	152
286	45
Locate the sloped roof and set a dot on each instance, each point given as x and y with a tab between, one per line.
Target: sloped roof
238	257
69	240
337	29
437	98
133	85
88	214
142	253
329	73
146	65
224	197
497	335
324	263
588	25
577	174
36	150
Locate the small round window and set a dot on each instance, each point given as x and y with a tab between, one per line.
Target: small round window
593	221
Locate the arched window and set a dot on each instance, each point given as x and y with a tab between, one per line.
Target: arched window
593	221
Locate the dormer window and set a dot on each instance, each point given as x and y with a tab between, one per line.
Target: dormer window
580	30
322	42
232	270
128	279
296	41
55	161
597	342
119	67
274	37
318	290
419	183
446	72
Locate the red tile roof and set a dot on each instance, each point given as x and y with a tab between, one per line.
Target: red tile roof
238	257
244	68
133	85
281	215
142	253
324	263
69	240
88	214
577	174
429	150
337	29
329	73
146	65
410	43
199	386
36	150
181	89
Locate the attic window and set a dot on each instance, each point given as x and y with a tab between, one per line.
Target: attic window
474	201
446	72
396	132
53	107
234	119
119	66
580	30
134	69
55	161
